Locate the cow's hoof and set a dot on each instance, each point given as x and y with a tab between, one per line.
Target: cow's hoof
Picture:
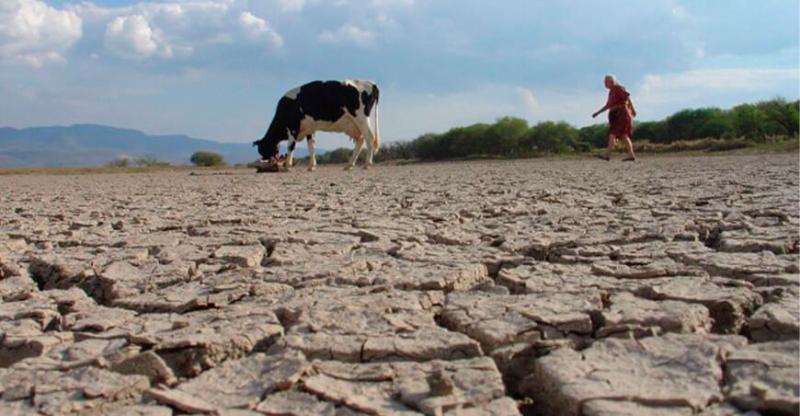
366	167
312	168
348	167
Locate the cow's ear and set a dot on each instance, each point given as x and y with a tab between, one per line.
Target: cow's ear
256	143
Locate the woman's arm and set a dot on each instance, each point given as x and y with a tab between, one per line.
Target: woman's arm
611	108
605	107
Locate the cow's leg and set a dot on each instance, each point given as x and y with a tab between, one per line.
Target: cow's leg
356	152
365	127
290	154
312	163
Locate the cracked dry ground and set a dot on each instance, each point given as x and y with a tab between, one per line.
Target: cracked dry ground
664	287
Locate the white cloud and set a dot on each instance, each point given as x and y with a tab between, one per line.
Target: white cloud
680	13
348	34
257	28
377	4
700	52
291	5
178	28
659	95
391	3
529	102
90	12
35	34
678	85
133	37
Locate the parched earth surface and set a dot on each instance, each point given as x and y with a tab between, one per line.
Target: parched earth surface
667	286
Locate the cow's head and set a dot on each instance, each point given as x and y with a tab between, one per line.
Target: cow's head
267	148
286	122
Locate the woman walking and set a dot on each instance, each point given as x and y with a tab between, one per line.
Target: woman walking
620	118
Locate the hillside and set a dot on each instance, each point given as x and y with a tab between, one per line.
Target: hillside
96	145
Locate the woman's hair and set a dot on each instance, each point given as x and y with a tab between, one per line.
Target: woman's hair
611	78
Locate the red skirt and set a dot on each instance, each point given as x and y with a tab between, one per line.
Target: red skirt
620	123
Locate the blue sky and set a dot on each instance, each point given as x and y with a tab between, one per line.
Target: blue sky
216	68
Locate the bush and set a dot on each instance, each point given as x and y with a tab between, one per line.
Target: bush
150	161
340	155
121	162
204	158
395	151
708	144
503	137
703	129
550	137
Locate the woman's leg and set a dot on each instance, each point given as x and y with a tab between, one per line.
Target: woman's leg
629	146
612	142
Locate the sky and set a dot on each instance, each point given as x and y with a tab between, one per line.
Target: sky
215	69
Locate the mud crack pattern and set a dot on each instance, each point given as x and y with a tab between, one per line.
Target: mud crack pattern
665	287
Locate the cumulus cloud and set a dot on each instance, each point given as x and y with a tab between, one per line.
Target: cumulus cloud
659	95
173	28
705	80
257	28
133	37
35	34
348	34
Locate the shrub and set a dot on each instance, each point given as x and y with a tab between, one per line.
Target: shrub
708	144
121	162
340	155
704	129
204	158
150	161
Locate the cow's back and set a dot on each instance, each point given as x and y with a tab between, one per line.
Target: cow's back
327	100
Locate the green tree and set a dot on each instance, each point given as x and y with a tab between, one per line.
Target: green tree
782	117
395	151
462	142
593	136
749	121
550	137
793	117
502	138
422	147
716	123
693	124
204	158
510	137
652	131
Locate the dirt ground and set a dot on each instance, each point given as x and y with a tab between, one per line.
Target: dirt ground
666	286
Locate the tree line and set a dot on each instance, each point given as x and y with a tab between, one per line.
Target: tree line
511	137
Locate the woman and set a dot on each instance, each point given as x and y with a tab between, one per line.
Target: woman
620	118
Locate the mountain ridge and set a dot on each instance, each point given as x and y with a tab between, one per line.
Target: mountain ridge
86	144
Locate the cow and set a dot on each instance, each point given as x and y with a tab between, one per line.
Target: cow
333	106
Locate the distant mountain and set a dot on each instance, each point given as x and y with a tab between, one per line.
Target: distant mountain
96	145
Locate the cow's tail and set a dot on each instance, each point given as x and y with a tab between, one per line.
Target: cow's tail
376	144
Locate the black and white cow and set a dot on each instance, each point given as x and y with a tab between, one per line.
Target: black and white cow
334	106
